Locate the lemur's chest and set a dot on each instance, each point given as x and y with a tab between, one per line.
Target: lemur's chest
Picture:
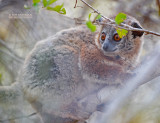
100	68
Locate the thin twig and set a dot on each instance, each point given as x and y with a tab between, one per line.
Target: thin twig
158	4
75	4
11	55
11	51
20	117
130	29
96	11
122	25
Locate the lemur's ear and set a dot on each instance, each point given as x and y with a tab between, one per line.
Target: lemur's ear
136	33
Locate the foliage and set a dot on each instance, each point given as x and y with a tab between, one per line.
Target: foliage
119	19
0	78
121	32
47	4
98	17
58	8
35	2
90	25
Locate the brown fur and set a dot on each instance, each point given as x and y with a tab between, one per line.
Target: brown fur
83	70
95	63
63	74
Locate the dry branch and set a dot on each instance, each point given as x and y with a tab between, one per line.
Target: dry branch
20	117
153	73
158	4
75	4
122	25
148	70
13	54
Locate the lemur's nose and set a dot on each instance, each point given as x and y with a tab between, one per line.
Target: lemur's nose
105	46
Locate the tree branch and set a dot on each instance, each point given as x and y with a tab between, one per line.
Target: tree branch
158	4
15	56
122	25
151	60
148	70
11	55
20	117
75	4
130	29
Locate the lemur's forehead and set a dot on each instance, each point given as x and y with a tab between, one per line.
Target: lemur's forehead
108	29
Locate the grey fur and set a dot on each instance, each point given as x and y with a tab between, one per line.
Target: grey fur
53	81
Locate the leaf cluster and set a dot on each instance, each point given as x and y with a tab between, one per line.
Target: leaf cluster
90	25
61	10
0	78
119	19
47	4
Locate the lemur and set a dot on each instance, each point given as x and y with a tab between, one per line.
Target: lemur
73	65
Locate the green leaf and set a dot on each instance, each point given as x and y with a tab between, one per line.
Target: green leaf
98	17
0	77
91	26
89	16
63	11
48	2
36	1
58	8
26	7
120	18
121	32
45	2
50	8
51	1
35	4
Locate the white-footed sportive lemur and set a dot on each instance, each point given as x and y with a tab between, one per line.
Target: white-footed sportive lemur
63	72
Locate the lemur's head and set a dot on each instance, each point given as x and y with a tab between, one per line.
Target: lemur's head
112	45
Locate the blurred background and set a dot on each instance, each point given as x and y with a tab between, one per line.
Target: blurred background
21	28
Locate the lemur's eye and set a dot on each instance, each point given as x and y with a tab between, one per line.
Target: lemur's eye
116	37
103	36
